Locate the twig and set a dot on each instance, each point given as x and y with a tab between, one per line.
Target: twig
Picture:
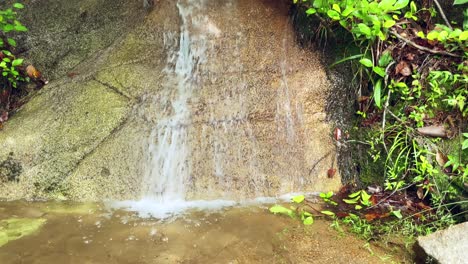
396	117
443	14
423	48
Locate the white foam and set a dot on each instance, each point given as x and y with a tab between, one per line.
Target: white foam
148	207
152	208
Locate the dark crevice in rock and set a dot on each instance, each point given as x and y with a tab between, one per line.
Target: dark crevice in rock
114	89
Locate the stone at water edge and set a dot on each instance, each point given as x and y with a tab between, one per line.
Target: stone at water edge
448	246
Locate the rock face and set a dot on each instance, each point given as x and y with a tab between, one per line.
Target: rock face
256	114
448	246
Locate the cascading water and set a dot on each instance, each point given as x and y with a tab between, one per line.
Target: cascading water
168	148
233	118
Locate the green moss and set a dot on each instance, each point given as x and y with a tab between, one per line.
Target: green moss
67	208
16	228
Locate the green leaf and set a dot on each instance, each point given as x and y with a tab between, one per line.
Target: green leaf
420	34
432	35
298	198
311	11
397	214
385	59
8	28
20	28
460	2
463	36
333	14
11	41
364	195
308	221
389	23
454	34
378	94
17	62
336	8
347	59
442	36
354	195
379	70
400	4
413	7
364	29
358	207
18	5
329	213
278	209
386	4
351	201
348	10
366	62
465	144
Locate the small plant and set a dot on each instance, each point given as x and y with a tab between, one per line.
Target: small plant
294	212
360	198
326	197
9	64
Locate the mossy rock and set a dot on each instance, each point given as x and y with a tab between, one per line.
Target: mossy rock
16	228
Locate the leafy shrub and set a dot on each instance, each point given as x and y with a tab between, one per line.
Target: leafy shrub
9	64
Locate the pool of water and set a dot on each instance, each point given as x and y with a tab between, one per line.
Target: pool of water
94	233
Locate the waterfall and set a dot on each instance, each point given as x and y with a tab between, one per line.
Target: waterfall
233	117
168	147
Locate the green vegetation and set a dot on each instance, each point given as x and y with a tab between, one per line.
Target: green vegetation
410	67
16	228
296	212
9	63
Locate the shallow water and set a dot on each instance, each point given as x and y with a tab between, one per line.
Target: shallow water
93	233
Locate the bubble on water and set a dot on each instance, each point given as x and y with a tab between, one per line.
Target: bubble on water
131	238
153	232
165	239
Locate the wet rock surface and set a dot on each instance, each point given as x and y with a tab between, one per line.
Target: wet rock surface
257	122
445	246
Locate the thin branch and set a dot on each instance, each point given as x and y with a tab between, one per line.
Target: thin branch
439	52
441	11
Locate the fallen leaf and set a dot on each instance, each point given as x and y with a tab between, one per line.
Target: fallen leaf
342	214
331	172
363	99
420	193
410	56
441	159
433	131
32	72
337	134
403	68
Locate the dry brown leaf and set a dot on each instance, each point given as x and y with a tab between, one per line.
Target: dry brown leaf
33	73
403	68
441	158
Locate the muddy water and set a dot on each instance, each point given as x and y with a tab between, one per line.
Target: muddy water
91	233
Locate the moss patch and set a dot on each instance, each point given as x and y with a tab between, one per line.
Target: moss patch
16	228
